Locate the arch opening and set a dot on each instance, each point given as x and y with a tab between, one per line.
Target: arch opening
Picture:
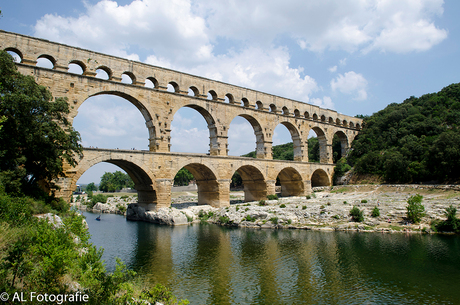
193	130
206	183
291	182
252	181
320	154
151	83
103	73
339	146
193	91
320	178
229	99
241	140
113	120
272	108
128	78
45	61
15	53
259	105
212	95
92	171
287	138
76	67
244	102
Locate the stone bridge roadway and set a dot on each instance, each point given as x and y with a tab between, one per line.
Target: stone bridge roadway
153	174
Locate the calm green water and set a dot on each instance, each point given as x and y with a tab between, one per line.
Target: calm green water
208	264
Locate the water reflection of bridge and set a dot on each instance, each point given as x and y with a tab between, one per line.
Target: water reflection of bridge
159	93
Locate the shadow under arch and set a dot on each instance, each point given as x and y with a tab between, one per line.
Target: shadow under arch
206	181
320	178
291	182
211	123
153	145
343	144
322	140
142	181
255	187
296	140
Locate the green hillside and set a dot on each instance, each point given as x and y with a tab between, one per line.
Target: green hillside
415	141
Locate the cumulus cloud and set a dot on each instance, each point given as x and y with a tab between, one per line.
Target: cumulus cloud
351	83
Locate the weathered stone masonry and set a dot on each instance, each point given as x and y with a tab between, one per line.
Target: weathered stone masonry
219	103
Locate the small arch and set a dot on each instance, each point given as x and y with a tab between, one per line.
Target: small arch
337	121
345	123
193	91
297	113
306	115
254	184
315	117
291	182
352	125
77	67
322	140
320	178
212	95
17	55
229	98
46	61
323	118
173	87
103	72
128	78
259	105
285	110
244	102
272	108
331	120
151	82
358	126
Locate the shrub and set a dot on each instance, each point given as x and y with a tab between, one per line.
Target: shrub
356	214
121	208
304	207
336	216
274	220
415	209
282	205
262	203
345	202
224	219
308	197
364	201
452	224
272	197
289	221
250	218
375	212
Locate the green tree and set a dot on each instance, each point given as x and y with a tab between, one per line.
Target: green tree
183	177
415	209
112	182
91	187
36	139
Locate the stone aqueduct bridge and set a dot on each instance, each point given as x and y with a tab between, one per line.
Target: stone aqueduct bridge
219	103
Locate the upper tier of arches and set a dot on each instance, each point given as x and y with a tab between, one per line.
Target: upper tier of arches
90	64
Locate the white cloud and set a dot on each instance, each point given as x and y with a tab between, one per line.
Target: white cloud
333	69
325	102
351	83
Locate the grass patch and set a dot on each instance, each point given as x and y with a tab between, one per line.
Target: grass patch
341	190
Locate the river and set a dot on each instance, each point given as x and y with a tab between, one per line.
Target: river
209	264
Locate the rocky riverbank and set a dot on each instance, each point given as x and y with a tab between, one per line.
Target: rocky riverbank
326	209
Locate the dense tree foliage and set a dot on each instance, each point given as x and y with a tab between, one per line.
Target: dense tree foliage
112	182
415	141
91	187
35	136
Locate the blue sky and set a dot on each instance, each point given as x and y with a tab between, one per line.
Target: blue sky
353	56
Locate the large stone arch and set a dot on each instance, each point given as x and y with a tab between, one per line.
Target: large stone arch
324	147
142	181
212	127
261	147
255	187
149	121
291	182
344	145
206	181
296	140
320	178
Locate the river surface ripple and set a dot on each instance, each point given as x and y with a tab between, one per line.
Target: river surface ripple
209	264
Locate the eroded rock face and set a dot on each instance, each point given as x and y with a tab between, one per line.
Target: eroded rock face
164	216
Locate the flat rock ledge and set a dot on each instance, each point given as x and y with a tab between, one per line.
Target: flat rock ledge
327	210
